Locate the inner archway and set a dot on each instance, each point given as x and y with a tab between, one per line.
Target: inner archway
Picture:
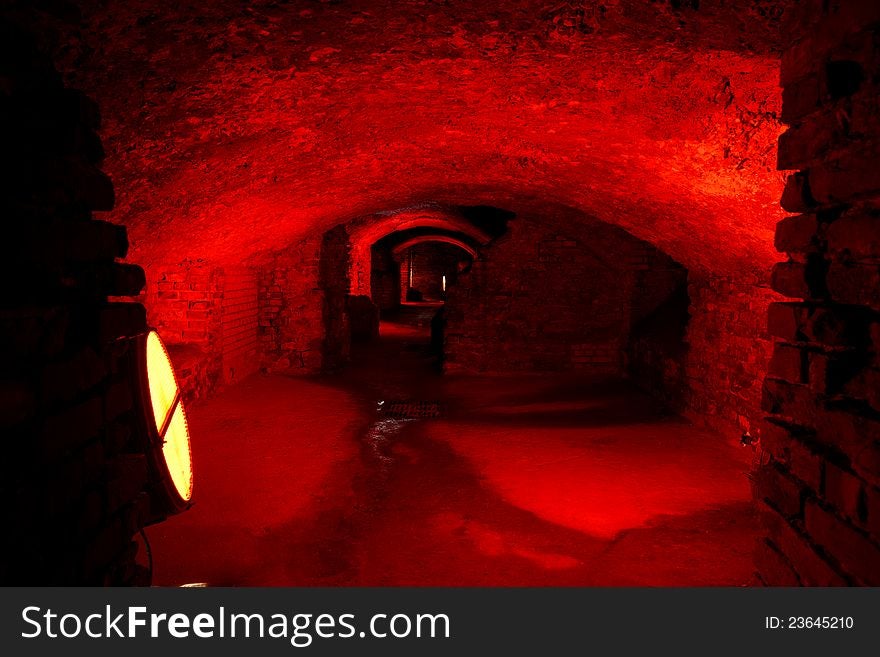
428	266
412	273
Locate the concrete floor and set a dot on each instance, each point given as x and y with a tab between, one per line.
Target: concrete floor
529	480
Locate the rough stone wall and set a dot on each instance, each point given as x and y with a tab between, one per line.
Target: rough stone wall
303	305
728	352
540	299
257	124
291	310
72	478
819	487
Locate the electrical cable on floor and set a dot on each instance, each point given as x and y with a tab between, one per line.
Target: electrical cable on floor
149	551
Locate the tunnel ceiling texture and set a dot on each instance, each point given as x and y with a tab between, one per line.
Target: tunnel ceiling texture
233	129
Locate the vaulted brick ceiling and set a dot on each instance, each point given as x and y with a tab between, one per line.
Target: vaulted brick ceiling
236	128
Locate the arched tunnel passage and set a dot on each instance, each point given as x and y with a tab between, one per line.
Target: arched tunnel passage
547	291
238	138
396	267
563	352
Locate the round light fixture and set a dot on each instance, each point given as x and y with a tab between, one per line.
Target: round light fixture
164	421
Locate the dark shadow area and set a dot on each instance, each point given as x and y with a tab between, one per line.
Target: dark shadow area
657	349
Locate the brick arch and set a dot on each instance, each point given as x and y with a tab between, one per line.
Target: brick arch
438	219
371	228
447	239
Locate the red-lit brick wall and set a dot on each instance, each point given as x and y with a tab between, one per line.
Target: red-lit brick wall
385	279
238	326
302	303
184	303
821	439
208	317
727	352
334	281
540	299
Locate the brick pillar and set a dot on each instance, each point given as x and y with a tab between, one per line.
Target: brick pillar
72	479
819	485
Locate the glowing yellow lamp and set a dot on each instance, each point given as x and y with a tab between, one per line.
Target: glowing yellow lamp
168	435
